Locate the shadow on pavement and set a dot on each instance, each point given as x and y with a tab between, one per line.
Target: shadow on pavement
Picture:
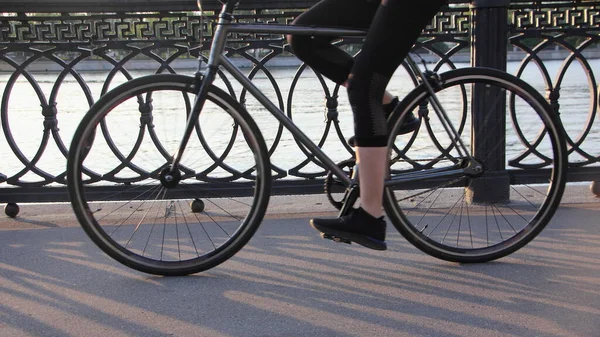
289	282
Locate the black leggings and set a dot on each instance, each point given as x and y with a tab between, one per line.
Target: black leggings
393	27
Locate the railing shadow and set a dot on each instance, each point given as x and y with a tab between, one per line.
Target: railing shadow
289	282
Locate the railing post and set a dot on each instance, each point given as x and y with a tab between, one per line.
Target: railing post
489	47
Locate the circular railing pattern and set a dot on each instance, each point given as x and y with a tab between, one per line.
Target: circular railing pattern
586	125
445	44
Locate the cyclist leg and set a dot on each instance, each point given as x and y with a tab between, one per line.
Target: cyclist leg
318	51
396	26
322	56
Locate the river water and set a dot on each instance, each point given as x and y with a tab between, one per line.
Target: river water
22	117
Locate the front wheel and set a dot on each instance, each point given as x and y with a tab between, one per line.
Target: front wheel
151	217
463	213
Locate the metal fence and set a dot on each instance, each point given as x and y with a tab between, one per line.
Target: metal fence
68	37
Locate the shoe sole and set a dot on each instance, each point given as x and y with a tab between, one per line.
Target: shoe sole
362	240
404	129
409	127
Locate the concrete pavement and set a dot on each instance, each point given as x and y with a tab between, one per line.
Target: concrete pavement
55	282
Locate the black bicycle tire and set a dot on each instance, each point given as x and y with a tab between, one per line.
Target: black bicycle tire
559	171
135	261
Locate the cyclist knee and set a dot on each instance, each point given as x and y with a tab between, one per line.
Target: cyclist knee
363	93
303	47
366	96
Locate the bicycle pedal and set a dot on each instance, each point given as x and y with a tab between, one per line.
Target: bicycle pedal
335	238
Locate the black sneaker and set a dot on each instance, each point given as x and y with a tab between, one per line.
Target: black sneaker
410	123
358	226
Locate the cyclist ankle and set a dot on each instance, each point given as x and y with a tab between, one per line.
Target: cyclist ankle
375	212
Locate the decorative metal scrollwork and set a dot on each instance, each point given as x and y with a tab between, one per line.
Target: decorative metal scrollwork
84	28
568	36
68	43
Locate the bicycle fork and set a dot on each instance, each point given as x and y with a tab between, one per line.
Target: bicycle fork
205	79
427	78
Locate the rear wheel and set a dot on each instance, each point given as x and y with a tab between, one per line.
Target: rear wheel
476	216
153	218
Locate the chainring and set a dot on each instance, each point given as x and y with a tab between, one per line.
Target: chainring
333	185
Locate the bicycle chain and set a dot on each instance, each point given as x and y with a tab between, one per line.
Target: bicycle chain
431	189
335	204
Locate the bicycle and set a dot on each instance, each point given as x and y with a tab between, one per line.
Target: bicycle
462	204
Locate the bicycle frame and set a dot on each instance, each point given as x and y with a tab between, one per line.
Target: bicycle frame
143	221
217	59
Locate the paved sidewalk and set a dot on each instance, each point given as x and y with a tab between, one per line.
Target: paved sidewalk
55	282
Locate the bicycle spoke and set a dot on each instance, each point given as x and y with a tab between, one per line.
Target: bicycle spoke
137	227
508	221
143	220
187	225
451	222
483	213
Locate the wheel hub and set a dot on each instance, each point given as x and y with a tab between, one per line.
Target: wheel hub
474	168
170	178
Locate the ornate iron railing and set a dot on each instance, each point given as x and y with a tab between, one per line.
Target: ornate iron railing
68	37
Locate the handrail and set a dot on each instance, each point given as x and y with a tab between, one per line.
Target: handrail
60	6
